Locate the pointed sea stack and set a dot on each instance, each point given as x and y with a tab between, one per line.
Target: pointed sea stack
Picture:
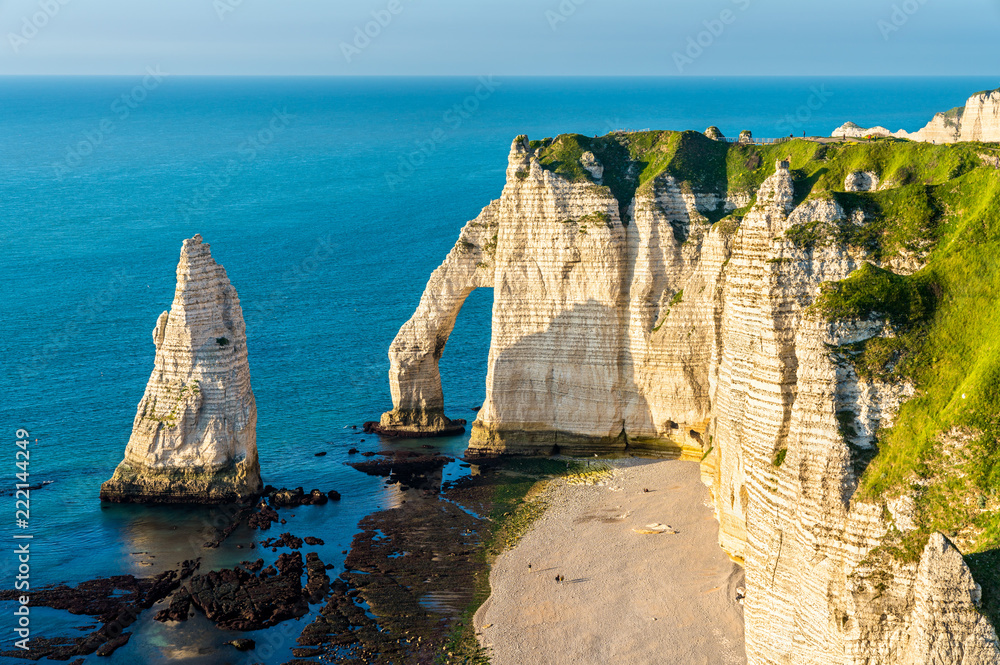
194	439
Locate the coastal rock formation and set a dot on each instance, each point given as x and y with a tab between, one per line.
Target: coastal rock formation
560	261
981	118
944	127
414	379
861	181
714	133
194	435
851	130
978	120
677	312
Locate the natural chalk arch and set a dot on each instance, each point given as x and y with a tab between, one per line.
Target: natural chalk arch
414	376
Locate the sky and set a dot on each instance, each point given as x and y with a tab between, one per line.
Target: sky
501	37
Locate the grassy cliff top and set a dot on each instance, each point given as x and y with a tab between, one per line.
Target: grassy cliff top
632	160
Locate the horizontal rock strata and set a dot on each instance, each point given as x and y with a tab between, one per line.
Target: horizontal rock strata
641	325
978	120
194	435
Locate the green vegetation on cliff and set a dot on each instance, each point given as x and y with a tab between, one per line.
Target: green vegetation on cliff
871	292
944	448
936	206
634	160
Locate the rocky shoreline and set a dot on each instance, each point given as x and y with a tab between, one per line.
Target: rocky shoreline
411	580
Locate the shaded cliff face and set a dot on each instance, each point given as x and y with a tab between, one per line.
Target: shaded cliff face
194	435
764	310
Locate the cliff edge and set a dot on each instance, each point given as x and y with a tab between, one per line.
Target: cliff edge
811	322
194	435
978	120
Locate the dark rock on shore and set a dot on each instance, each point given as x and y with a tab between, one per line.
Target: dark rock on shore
317	581
116	601
341	623
111	646
263	518
455	427
286	498
236	599
413	567
285	540
253	566
179	609
242	644
409	468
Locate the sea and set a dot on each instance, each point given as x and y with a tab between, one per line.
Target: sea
329	201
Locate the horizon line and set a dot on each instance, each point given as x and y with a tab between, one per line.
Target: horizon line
523	76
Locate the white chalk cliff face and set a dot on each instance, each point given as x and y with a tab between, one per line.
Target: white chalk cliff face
981	119
414	379
194	435
645	327
978	120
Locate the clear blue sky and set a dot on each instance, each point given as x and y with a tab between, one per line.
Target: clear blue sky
508	37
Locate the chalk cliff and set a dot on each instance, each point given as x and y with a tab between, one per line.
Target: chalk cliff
690	302
981	119
194	435
978	120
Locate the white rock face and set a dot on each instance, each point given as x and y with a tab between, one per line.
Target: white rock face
649	328
414	379
194	435
861	181
978	120
946	626
853	131
981	120
589	162
943	128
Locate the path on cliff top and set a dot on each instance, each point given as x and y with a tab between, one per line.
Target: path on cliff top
627	597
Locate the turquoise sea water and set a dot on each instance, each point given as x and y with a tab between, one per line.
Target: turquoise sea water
329	202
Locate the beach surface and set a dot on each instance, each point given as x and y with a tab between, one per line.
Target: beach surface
626	597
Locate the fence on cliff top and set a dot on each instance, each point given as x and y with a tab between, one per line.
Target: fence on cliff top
724	140
758	141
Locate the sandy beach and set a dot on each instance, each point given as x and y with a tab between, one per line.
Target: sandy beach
626	597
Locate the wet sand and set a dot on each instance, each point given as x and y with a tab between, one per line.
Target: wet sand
626	597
